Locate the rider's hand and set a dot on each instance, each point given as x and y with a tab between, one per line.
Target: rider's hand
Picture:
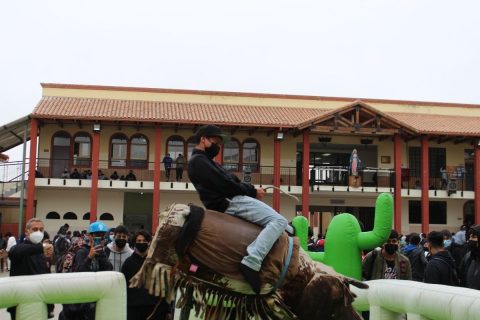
260	193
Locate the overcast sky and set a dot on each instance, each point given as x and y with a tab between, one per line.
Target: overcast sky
410	50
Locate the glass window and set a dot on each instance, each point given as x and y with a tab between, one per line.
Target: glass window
139	152
190	146
250	155
61	139
437	212
118	151
82	150
70	216
231	155
53	215
175	146
436	160
86	216
106	216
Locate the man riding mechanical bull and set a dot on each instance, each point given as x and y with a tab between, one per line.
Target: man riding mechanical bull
202	253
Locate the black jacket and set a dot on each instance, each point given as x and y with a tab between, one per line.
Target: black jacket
82	263
418	261
470	272
136	296
27	259
441	269
214	184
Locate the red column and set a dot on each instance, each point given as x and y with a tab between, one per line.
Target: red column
94	188
305	174
477	182
276	173
156	179
219	157
32	164
397	164
425	185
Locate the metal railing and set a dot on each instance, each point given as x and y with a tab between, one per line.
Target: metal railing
11	174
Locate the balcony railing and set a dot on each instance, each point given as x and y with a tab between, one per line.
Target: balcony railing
258	175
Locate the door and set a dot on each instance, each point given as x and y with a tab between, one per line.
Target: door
60	156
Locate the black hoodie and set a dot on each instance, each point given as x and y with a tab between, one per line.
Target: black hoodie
441	269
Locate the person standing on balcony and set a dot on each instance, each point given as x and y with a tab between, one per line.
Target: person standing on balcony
222	191
179	163
443	178
167	162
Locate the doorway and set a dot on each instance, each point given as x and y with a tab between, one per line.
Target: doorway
137	212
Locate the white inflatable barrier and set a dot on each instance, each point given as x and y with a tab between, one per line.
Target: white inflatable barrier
391	299
31	293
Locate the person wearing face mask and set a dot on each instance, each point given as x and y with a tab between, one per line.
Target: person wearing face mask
119	250
30	257
387	262
223	191
470	264
440	266
140	304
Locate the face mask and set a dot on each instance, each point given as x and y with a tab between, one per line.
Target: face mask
447	243
141	247
111	237
212	151
473	246
36	237
120	242
391	248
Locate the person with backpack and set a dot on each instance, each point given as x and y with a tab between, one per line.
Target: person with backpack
440	266
470	264
416	255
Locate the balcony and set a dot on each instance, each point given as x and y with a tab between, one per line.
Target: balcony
322	178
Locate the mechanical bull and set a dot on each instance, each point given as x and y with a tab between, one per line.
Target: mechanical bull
198	253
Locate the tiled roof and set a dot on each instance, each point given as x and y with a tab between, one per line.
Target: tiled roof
51	107
438	124
173	112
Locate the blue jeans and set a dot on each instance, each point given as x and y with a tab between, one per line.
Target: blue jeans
261	214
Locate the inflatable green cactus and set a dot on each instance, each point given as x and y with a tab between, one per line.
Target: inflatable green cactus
344	240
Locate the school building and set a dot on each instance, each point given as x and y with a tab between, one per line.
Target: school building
425	153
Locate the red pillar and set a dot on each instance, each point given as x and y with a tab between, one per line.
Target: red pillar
305	174
94	188
276	173
397	164
32	164
156	179
477	182
425	185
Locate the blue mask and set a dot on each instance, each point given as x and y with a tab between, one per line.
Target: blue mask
447	243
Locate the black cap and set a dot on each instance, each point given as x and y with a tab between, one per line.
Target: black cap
210	130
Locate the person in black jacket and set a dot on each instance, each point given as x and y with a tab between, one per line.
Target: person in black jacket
222	191
470	264
90	258
140	304
416	255
29	257
441	266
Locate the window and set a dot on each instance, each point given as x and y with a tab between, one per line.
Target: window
139	151
175	145
436	160
53	215
82	149
61	139
70	216
250	155
437	212
118	150
190	146
106	216
86	216
231	155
